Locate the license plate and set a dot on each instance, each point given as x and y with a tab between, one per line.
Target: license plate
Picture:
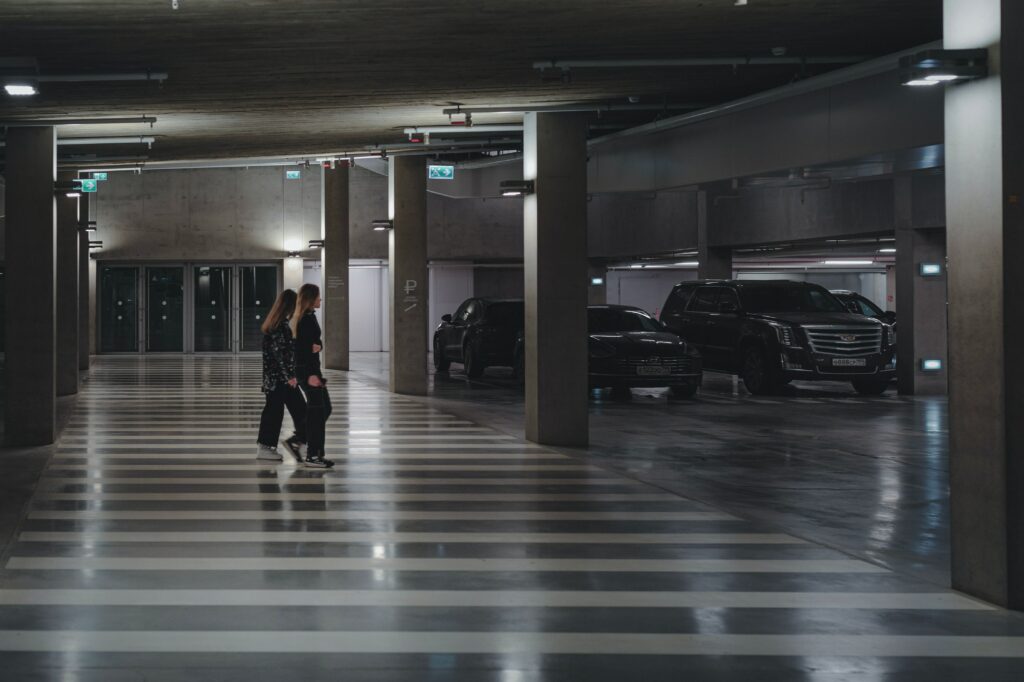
652	371
849	362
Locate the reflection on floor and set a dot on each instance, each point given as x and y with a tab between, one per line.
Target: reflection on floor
157	548
867	475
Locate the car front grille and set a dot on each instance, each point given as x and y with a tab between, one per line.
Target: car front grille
676	364
852	341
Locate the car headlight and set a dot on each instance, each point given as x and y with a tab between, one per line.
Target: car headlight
890	335
787	337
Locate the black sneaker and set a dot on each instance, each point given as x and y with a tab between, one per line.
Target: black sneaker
315	461
294	446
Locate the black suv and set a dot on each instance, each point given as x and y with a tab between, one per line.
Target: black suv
771	332
481	334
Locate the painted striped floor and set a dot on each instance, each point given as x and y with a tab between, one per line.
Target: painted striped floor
157	548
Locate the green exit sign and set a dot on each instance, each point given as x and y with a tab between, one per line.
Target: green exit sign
99	176
87	185
441	172
293	174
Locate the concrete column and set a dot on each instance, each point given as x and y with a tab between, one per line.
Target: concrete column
83	284
985	240
291	273
31	255
407	259
922	317
555	268
67	290
336	257
597	293
714	262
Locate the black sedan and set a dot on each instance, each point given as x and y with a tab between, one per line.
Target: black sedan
630	349
481	333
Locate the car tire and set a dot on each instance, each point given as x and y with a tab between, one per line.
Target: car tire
441	363
758	377
871	386
683	391
471	360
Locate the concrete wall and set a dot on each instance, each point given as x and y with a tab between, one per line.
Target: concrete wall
641	223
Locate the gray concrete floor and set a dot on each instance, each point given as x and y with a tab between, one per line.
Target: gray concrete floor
865	475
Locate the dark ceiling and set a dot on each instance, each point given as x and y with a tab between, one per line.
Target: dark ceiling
262	77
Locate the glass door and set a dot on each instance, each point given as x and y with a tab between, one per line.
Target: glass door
165	309
212	312
119	309
258	284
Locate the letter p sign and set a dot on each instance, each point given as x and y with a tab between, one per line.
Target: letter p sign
410	286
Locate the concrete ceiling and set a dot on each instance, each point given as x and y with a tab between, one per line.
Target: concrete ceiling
264	77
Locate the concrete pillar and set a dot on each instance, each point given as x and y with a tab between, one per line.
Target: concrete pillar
985	240
83	283
555	268
67	290
407	258
31	255
335	267
922	317
714	262
597	276
291	273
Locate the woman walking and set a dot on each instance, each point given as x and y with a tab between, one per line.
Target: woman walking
280	383
308	344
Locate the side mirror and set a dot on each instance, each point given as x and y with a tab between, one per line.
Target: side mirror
889	316
728	307
446	318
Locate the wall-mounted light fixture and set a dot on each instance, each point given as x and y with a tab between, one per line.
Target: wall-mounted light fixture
316	243
20	89
935	67
596	281
87	226
930	269
294	254
516	188
931	365
95	244
383	225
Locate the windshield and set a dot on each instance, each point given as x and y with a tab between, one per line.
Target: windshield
610	321
506	314
786	299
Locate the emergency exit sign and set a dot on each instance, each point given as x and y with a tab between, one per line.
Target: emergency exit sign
99	176
293	174
87	185
441	172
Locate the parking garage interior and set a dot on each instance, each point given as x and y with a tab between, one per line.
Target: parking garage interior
665	340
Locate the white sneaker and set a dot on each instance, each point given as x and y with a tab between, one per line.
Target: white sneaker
268	453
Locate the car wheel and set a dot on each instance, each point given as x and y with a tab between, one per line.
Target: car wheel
758	377
472	363
683	391
441	363
870	386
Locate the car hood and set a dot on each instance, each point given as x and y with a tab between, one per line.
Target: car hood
643	343
811	319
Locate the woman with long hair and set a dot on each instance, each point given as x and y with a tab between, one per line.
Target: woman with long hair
308	344
280	383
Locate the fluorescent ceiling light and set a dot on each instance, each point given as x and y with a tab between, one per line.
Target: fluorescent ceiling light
848	262
922	82
887	251
688	264
73	195
20	89
942	77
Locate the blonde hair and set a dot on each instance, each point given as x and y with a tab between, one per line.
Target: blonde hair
308	293
282	309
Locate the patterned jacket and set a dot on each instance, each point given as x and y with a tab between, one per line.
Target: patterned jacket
278	357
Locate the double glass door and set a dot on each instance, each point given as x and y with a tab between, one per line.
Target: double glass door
184	308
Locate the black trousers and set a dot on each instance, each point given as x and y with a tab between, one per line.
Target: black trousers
318	409
273	414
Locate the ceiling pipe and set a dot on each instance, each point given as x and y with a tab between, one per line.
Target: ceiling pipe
81	141
463	130
158	76
78	121
569	108
566	64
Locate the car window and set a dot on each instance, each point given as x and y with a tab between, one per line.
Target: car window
790	299
678	299
611	320
727	296
460	313
704	300
868	308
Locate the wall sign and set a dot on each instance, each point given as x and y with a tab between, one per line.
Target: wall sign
293	174
440	172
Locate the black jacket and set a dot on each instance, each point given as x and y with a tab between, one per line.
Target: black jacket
278	357
307	363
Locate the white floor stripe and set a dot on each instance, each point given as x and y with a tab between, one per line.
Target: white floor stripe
485	537
925	601
366	497
487	565
339	457
511	643
353	444
333	479
364	468
368	515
